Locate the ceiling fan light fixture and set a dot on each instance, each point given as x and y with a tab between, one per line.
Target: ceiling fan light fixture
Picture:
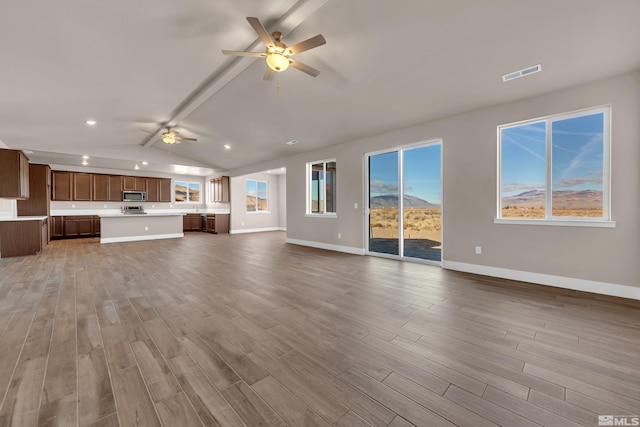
277	62
169	139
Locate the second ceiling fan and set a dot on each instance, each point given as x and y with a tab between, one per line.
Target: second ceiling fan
278	54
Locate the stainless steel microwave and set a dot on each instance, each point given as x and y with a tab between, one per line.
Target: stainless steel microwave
134	196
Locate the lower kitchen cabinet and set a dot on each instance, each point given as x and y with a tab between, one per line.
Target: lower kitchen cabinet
192	222
75	226
21	238
218	223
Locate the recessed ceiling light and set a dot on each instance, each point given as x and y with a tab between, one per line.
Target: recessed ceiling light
282	169
227	146
85	157
136	167
292	142
145	163
522	73
85	163
91	122
268	171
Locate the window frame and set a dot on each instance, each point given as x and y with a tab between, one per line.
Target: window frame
187	183
549	219
309	197
257	211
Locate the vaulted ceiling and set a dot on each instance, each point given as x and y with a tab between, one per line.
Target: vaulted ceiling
135	65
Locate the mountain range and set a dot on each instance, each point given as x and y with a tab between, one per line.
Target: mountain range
391	201
568	199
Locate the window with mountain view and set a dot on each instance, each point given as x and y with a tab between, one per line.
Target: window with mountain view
555	167
187	192
321	188
257	196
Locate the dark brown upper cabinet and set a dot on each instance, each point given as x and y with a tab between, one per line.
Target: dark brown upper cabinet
115	188
153	190
134	183
164	190
83	186
101	188
14	175
39	190
61	185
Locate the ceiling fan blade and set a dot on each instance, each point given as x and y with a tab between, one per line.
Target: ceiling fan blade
260	30
242	53
307	44
181	138
268	75
304	68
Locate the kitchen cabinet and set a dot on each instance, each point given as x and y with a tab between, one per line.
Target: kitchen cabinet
78	226
14	175
100	188
57	227
192	222
164	189
75	226
82	186
153	190
220	187
21	238
115	188
218	223
39	192
134	183
61	186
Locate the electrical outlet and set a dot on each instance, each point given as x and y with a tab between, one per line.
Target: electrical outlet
355	206
104	206
339	235
73	205
146	228
242	224
478	250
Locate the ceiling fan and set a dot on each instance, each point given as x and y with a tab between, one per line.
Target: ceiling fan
171	137
278	54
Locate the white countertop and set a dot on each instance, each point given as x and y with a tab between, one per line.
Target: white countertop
117	212
144	215
24	218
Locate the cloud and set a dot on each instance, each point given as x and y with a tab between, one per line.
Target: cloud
380	187
521	186
571	182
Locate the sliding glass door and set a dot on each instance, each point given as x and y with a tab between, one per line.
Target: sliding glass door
405	202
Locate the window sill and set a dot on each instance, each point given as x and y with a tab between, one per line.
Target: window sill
558	222
325	215
258	212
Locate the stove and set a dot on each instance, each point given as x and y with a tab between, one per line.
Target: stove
133	210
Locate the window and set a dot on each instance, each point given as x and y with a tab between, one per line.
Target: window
321	188
187	192
257	196
555	168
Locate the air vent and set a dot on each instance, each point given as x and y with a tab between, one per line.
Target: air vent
292	142
522	73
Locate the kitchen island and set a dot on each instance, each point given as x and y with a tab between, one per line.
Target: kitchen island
131	228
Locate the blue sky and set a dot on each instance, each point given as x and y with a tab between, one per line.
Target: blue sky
422	172
577	153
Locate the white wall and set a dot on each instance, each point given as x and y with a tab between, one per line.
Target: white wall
602	257
282	198
245	222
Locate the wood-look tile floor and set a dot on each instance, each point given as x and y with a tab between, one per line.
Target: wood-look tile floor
247	330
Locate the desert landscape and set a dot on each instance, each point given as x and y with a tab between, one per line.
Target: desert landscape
419	223
251	204
567	203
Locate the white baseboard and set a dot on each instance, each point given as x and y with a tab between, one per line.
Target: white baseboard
327	246
256	230
140	238
602	288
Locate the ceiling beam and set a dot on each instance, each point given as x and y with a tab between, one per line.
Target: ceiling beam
295	16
